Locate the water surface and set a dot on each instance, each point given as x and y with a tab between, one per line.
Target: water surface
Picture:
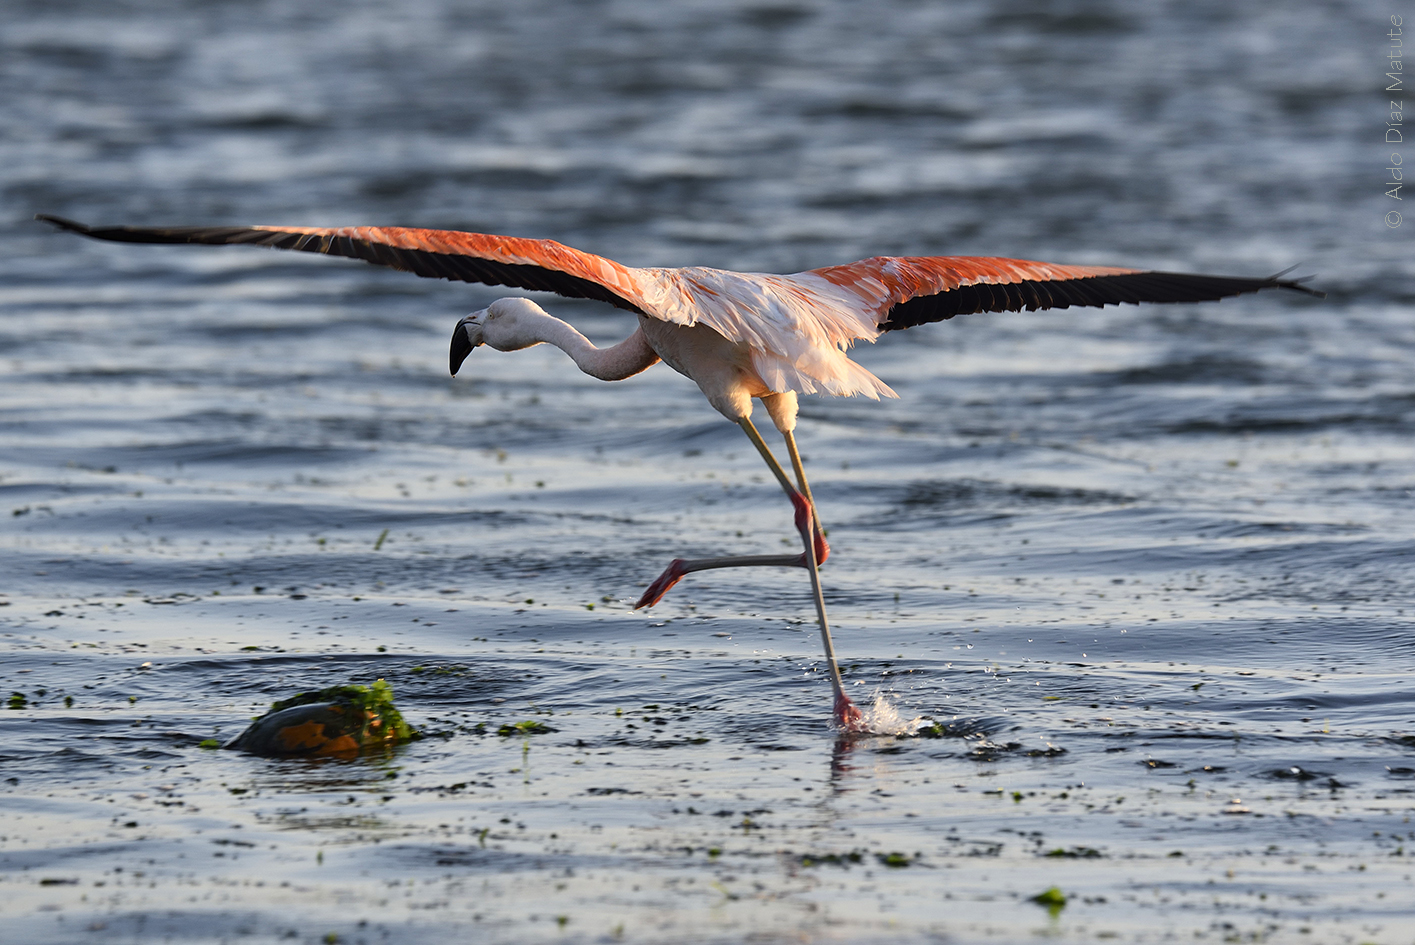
1147	568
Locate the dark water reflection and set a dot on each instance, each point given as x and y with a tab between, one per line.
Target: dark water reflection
1148	568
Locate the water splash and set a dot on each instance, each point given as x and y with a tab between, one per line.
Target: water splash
882	718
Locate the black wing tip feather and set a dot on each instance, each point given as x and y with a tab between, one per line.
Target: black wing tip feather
64	223
1094	291
1213	288
1276	280
146	234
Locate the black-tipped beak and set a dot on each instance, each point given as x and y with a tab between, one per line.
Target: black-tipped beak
461	347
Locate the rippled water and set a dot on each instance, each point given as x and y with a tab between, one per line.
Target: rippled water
1147	567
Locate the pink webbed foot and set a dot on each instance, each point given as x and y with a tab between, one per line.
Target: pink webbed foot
671	576
848	717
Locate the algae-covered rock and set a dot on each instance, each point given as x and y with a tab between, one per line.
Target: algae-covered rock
340	721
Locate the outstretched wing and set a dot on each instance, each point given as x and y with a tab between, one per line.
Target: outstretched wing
797	327
904	291
542	265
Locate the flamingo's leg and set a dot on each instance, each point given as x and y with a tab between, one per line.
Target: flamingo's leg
679	567
792	492
847	715
748	428
799	470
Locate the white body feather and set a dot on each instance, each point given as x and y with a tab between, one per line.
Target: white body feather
796	328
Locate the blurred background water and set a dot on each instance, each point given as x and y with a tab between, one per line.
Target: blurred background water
1149	566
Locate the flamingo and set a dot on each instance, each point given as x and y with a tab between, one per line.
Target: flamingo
739	336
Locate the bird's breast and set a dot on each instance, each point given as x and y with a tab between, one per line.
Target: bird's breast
722	369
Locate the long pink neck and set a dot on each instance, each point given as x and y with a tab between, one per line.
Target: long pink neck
614	363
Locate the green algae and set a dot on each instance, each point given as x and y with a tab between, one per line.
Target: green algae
1053	899
376	699
528	727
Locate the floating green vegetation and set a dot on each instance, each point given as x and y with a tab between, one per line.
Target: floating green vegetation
528	727
832	859
1054	900
1076	853
894	860
456	669
209	743
17	700
375	698
338	720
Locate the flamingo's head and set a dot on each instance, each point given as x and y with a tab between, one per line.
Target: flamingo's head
466	336
506	325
